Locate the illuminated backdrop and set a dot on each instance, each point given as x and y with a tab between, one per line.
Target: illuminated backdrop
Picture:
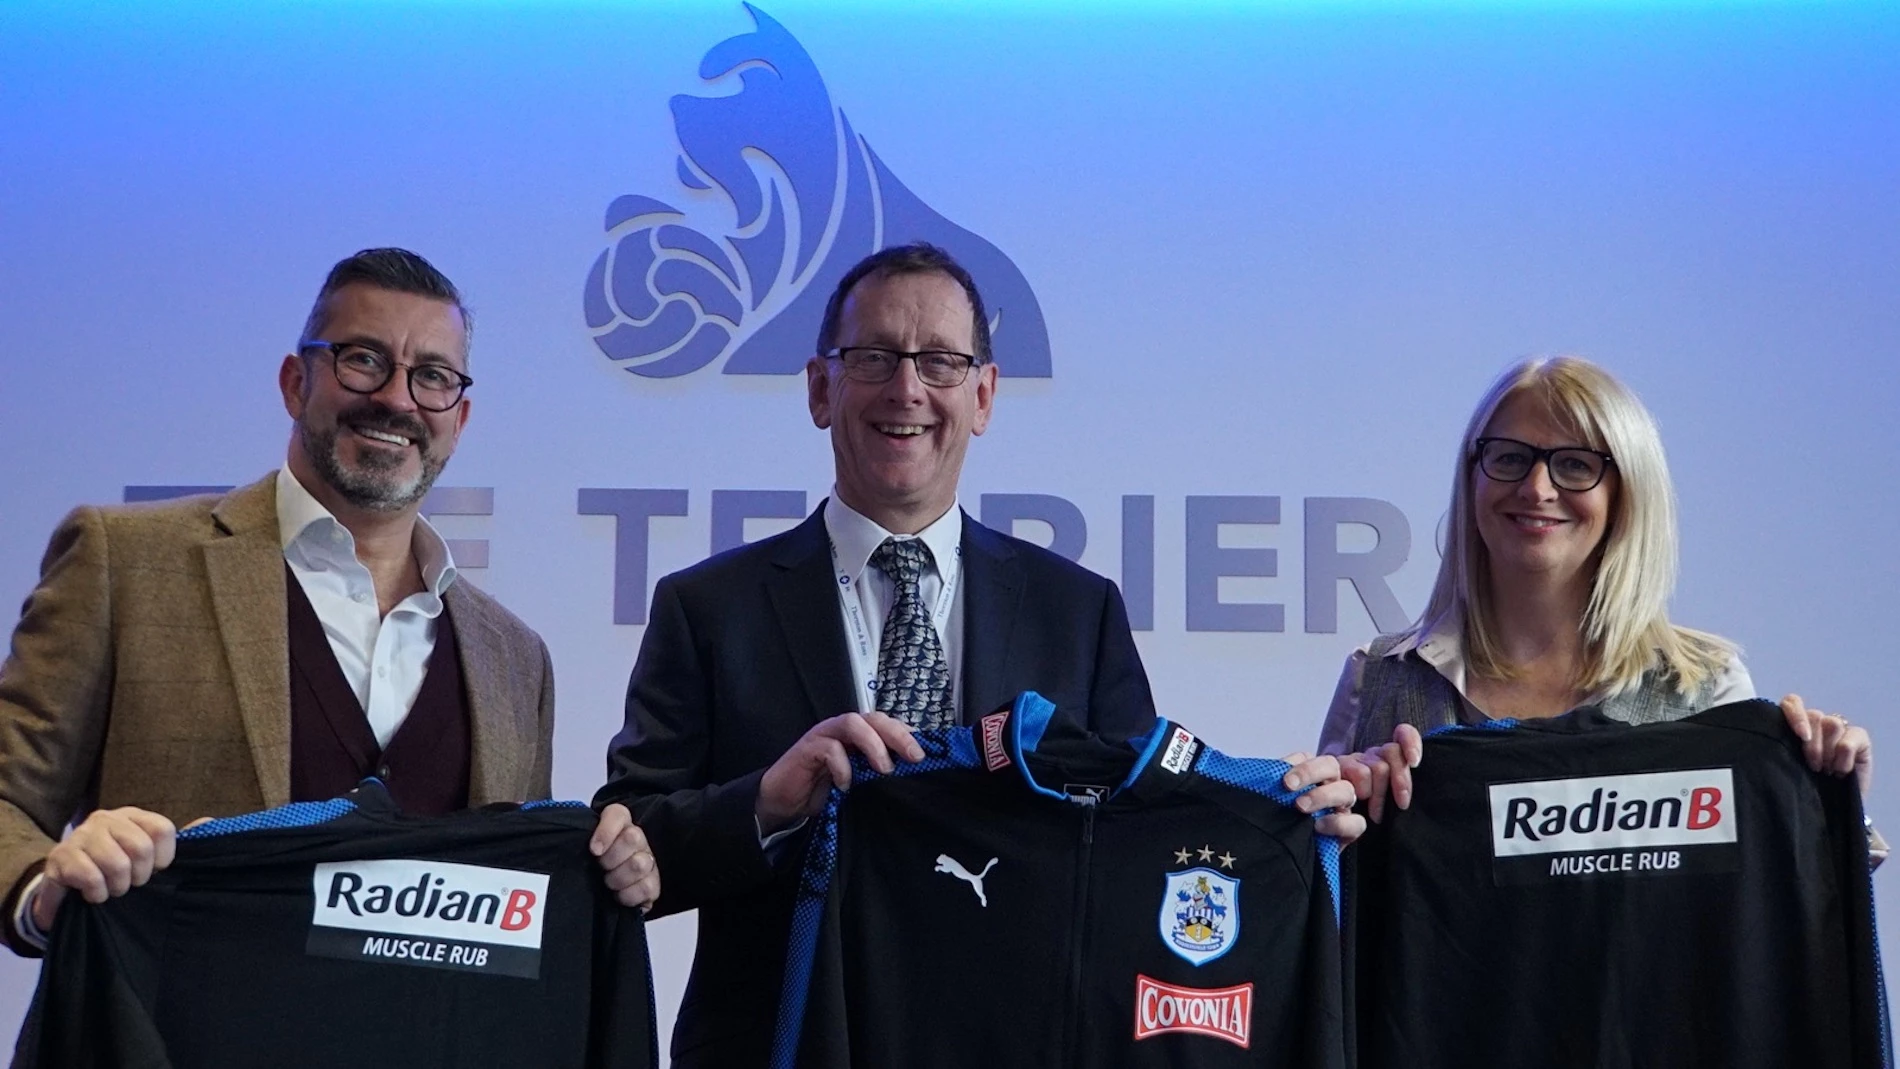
1252	265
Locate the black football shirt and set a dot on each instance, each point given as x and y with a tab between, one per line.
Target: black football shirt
1033	895
1581	893
343	933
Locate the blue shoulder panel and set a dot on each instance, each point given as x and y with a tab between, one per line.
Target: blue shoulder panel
294	815
1268	777
944	748
1505	724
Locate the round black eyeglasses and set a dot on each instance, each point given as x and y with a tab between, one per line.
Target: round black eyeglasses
363	369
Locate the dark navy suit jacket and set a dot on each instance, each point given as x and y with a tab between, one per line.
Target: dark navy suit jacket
746	651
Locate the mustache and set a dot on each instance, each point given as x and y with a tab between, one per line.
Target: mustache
377	416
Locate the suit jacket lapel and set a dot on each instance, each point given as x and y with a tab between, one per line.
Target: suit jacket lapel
992	590
498	767
244	564
804	597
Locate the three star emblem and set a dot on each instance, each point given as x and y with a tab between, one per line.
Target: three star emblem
1206	853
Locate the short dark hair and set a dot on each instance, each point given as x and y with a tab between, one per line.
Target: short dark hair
397	270
918	258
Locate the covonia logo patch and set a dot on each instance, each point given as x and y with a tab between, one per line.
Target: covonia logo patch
1223	1013
435	914
995	754
1647	823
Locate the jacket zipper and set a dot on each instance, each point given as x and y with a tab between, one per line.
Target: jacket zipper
1072	1024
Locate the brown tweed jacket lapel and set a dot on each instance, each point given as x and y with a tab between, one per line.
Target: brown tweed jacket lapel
504	697
244	562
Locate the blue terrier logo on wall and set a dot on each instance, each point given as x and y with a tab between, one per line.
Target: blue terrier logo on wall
808	199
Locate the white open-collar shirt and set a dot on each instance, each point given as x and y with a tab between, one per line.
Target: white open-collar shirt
383	657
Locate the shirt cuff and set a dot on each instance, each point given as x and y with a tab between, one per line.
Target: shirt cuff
767	842
1877	848
23	925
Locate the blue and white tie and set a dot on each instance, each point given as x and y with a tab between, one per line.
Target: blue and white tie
913	675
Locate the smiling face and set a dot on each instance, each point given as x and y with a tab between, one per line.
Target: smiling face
1531	528
899	445
380	451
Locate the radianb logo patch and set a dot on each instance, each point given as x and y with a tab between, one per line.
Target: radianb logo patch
435	914
805	197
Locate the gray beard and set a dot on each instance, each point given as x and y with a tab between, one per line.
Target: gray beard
374	485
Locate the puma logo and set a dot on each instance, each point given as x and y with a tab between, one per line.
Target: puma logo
946	863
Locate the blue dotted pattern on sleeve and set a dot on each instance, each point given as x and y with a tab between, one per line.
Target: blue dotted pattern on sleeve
294	815
1268	777
553	803
1506	724
944	748
1880	980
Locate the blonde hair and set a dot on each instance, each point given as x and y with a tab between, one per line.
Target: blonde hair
1625	626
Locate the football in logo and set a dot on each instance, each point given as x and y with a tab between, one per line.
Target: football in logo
800	197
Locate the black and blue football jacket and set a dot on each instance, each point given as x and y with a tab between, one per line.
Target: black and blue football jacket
1578	893
338	933
1032	895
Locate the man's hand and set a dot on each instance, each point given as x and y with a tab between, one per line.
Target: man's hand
632	873
1830	743
1332	796
794	788
1385	771
108	854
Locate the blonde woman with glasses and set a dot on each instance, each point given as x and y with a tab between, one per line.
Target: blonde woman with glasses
1552	593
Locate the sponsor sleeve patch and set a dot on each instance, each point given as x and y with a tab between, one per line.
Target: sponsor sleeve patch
995	755
1178	756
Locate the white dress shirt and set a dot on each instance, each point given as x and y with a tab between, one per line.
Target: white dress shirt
865	594
383	657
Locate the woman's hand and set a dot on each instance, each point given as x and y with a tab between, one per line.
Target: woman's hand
1830	743
1331	795
1385	771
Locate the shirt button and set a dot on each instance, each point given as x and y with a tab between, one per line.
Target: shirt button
359	597
382	672
383	773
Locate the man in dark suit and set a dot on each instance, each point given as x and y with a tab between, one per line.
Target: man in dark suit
888	606
221	654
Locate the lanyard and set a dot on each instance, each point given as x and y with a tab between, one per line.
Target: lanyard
863	655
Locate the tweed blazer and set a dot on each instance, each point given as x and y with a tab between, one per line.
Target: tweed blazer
151	668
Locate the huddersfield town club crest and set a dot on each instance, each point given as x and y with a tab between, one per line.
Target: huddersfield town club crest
1200	914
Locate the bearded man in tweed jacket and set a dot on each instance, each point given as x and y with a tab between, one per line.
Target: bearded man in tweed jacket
222	654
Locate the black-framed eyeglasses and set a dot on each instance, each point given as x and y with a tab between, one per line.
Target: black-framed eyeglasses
1571	467
363	369
936	367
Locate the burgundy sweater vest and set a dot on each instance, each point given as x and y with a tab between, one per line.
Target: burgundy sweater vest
425	766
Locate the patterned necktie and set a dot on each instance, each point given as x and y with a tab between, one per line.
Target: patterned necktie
913	675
